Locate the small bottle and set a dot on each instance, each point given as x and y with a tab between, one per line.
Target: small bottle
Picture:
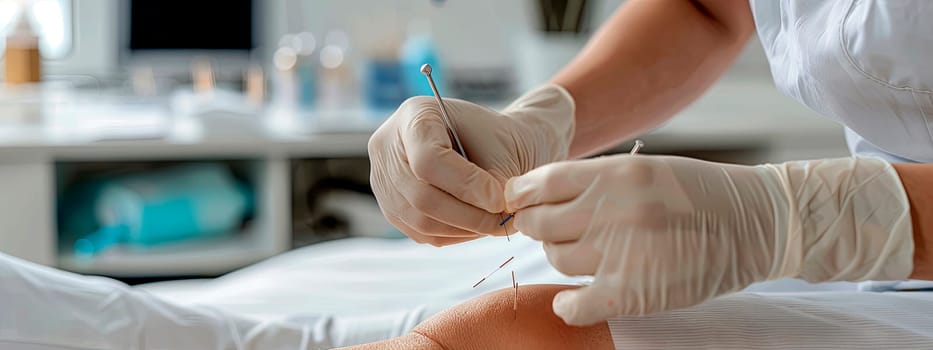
418	50
22	60
337	81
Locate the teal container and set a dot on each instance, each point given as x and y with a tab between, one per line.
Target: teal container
166	206
417	51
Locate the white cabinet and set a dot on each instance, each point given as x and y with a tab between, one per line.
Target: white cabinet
30	168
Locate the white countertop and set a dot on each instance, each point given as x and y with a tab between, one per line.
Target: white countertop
736	112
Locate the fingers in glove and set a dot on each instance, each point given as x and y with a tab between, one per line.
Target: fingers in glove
437	241
413	223
573	258
441	206
423	224
586	305
554	222
433	161
552	183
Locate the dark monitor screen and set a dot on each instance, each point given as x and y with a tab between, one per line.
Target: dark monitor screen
191	25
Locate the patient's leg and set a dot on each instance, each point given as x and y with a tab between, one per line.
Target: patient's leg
488	322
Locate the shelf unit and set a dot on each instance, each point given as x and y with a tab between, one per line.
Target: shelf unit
30	166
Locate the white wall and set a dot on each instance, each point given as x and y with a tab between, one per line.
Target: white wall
470	33
95	33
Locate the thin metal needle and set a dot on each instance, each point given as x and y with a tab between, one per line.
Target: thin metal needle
494	271
506	220
638	145
514	296
506	228
426	70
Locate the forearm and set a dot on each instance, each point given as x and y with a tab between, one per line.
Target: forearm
918	183
652	58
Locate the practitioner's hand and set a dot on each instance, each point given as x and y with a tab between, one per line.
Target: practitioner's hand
434	195
659	233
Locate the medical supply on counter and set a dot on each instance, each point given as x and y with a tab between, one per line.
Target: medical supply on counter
285	80
158	207
418	50
297	74
255	85
338	82
384	88
22	62
306	71
202	76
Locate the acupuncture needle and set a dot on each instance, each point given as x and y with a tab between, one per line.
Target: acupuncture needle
426	70
638	145
515	300
506	228
514	294
494	271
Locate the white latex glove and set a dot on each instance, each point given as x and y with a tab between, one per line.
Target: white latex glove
660	233
434	195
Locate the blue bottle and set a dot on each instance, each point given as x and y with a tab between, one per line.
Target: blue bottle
418	50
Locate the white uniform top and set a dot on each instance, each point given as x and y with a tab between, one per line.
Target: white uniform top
867	64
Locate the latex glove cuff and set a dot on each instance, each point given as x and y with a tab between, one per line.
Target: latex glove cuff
849	221
549	109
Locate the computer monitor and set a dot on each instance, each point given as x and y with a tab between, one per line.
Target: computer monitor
167	35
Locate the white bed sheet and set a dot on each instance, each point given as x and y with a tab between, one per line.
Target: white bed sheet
808	320
355	291
369	288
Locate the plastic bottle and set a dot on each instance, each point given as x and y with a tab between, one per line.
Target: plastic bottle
22	60
417	50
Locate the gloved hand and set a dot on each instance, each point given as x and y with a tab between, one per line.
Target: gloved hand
434	195
659	233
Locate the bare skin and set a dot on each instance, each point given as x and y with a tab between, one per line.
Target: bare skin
918	183
488	322
649	61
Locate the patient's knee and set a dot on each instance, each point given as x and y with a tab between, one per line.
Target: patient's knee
490	321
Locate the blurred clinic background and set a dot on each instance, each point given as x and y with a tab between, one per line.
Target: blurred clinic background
156	139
